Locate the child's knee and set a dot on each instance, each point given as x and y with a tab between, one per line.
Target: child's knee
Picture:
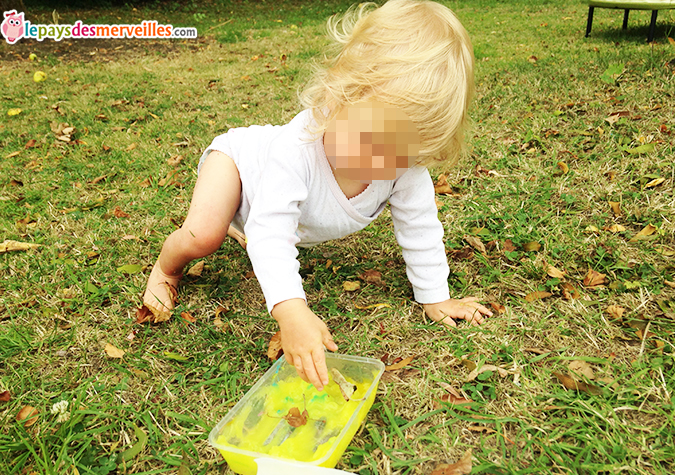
203	242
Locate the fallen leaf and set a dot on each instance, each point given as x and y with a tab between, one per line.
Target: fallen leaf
554	272
468	364
569	291
532	246
30	144
442	187
563	167
15	111
452	400
114	352
187	316
485	429
581	368
295	419
175	160
669	283
594	279
130	269
571	383
646	231
145	183
486	367
616	208
536	351
9	246
274	351
27	415
118	213
13	154
616	228
538	295
461	254
176	356
655	182
375	305
98	179
476	243
130	147
615	311
509	246
14	182
5	396
498	308
196	270
346	388
351	286
372	277
401	364
462	467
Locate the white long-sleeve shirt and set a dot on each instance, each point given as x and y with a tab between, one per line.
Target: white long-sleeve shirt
289	198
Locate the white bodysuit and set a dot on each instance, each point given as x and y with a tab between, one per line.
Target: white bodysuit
289	198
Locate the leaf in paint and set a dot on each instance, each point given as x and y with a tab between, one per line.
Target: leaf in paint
615	228
554	272
462	467
295	419
187	316
594	279
130	269
498	308
113	351
442	187
5	396
274	350
401	364
346	388
538	295
28	415
615	312
645	232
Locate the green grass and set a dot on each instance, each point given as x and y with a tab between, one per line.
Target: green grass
544	93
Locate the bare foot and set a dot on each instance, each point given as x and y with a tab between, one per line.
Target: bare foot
236	235
161	291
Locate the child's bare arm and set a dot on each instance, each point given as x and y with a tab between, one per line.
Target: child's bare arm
303	336
447	311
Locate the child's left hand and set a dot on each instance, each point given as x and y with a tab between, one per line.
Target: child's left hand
447	311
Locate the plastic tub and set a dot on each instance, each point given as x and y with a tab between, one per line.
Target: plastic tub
259	426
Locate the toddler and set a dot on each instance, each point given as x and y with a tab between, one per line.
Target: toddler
393	101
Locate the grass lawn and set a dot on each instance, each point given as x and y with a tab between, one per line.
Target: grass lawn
561	217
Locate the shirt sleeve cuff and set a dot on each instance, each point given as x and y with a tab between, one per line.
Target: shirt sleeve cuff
431	296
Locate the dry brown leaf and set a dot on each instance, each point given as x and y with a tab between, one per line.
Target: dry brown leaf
30	144
98	179
485	429
615	311
580	367
175	160
468	364
5	396
196	270
346	388
350	286
131	147
571	383
538	295
461	254
9	246
554	272
532	246
569	291
442	187
372	277
274	350
295	419
145	183
401	364
594	279
118	213
27	415
452	400
563	167
536	351
498	308
114	352
616	208
615	228
669	283
187	316
655	182
646	231
486	367
476	243
509	246
463	467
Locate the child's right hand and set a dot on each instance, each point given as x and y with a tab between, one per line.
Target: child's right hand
303	336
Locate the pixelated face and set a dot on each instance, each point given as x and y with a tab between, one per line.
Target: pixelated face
12	26
371	141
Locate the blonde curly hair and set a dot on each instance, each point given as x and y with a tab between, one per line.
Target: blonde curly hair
414	55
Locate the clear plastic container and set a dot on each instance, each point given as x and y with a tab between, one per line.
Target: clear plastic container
259	426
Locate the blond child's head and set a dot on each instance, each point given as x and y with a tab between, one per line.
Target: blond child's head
413	55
